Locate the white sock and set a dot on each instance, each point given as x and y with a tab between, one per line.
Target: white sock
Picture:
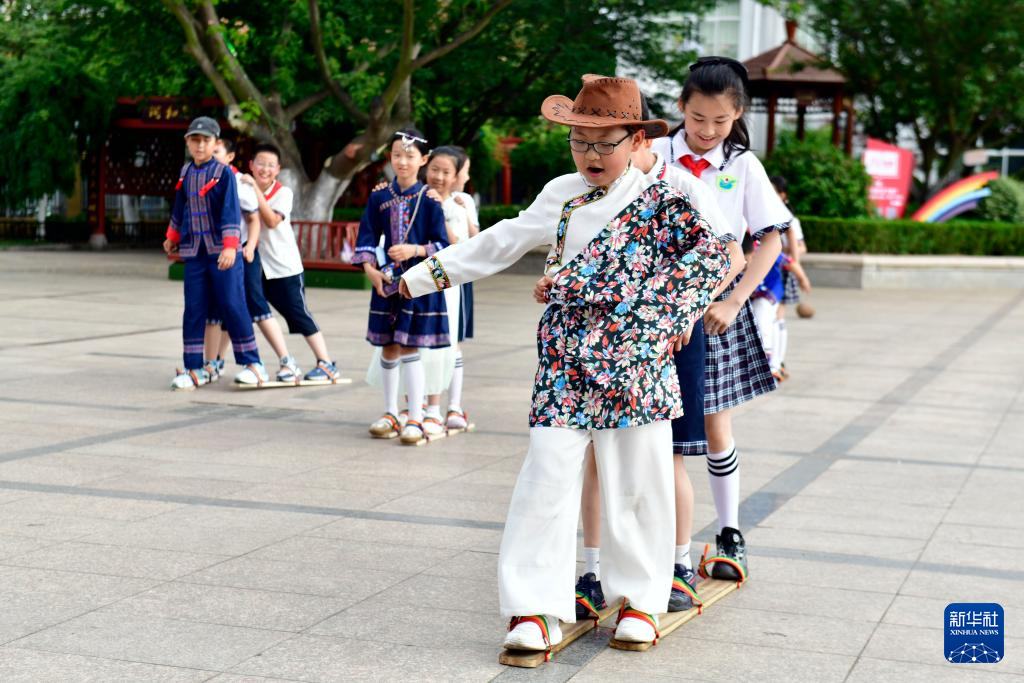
724	468
781	340
455	389
683	556
434	411
389	374
592	561
415	381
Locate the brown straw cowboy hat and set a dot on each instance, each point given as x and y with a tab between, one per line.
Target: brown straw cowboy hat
603	101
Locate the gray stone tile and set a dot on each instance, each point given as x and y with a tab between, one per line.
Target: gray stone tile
154	640
870	670
12	545
292	494
235	678
469	564
116	560
95	588
979	588
55	527
181	486
160	535
239	518
919	526
325	659
835	542
428	627
354	554
440	592
480	510
270	610
801	598
324	578
64	504
908	610
925	645
19	665
402	533
688	655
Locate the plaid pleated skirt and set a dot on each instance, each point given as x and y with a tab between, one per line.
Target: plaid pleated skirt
790	288
736	369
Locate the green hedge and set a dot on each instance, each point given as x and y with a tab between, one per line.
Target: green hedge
879	236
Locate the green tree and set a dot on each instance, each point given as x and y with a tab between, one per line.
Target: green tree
822	180
948	69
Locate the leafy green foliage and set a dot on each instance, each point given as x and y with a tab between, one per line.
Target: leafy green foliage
1006	203
542	155
950	70
822	180
881	236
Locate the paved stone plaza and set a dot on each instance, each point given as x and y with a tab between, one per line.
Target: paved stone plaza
234	536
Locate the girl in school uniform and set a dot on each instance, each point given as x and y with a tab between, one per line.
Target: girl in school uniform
713	144
413	229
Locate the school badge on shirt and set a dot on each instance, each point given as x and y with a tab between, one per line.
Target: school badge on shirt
974	633
726	182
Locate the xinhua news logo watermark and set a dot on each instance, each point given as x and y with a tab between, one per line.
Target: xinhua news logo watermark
974	633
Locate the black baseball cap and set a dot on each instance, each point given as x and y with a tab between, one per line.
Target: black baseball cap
203	125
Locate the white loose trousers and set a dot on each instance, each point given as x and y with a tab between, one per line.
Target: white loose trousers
537	563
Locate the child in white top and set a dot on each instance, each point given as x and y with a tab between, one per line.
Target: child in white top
713	144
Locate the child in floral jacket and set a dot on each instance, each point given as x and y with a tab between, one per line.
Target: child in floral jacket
634	265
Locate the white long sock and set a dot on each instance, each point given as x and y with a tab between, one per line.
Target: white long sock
592	561
389	374
781	340
415	384
683	556
724	468
455	388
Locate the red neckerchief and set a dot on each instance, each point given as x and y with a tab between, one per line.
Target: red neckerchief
695	165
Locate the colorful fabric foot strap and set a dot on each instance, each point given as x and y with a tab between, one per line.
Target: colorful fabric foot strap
705	561
582	599
681	585
627	612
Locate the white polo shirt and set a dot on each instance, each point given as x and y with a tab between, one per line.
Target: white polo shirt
470	206
740	185
278	249
702	198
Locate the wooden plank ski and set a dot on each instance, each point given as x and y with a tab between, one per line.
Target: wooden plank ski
710	590
531	659
468	428
274	384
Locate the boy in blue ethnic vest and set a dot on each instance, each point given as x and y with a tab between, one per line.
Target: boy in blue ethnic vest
633	266
205	230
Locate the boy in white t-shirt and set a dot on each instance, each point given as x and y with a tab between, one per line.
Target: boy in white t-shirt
217	341
282	280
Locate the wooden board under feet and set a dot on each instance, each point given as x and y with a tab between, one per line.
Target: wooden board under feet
710	591
531	659
274	384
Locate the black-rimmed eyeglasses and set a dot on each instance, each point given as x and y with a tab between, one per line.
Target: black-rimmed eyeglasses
602	148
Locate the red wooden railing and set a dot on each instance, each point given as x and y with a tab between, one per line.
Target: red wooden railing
324	245
327	245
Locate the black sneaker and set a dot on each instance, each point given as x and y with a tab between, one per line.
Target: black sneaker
732	546
589	597
684	590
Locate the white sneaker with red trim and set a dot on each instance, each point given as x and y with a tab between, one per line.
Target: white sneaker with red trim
525	633
634	629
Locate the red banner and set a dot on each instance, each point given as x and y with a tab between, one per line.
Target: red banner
891	169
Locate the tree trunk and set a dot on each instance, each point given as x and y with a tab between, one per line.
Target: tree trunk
314	200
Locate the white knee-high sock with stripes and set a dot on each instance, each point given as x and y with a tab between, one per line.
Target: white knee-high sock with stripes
455	388
415	384
724	468
389	375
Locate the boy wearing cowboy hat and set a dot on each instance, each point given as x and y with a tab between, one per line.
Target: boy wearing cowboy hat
633	266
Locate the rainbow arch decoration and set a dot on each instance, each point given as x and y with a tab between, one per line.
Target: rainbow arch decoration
955	199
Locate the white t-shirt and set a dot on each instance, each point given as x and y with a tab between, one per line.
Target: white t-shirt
740	185
456	218
246	201
278	249
470	205
795	232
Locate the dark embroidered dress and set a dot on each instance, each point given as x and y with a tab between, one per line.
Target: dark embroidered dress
408	217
